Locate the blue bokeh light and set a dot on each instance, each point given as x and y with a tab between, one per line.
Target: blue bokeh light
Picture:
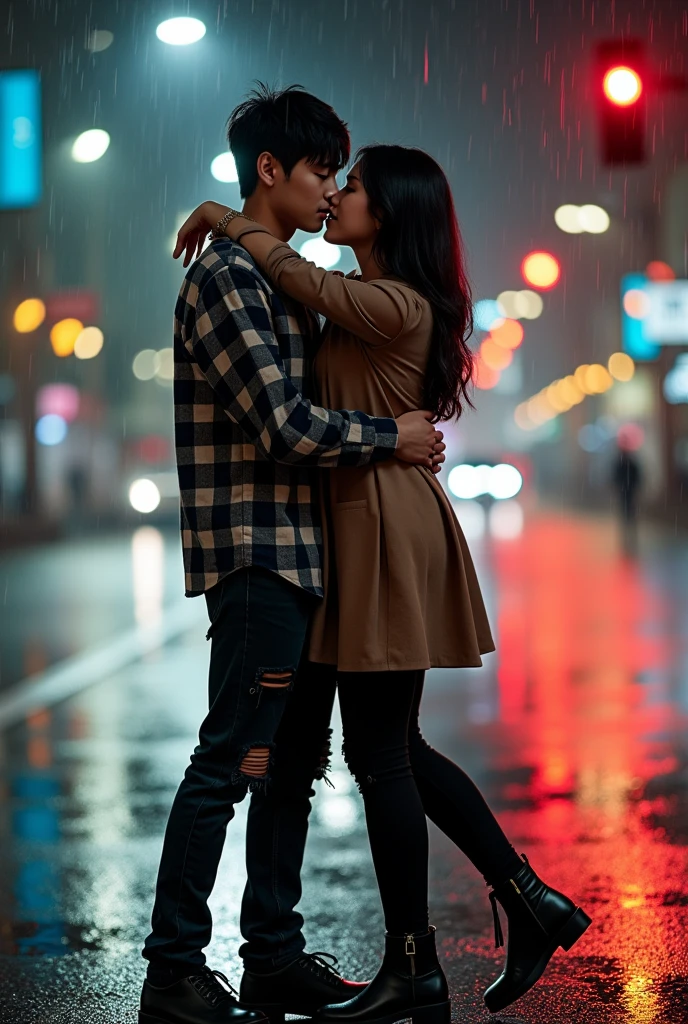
51	429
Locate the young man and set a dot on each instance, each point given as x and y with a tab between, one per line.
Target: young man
250	445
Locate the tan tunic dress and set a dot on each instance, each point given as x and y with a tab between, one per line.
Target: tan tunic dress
400	587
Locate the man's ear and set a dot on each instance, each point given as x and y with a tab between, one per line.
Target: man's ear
268	168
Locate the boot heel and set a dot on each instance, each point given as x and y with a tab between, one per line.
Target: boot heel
440	1013
576	925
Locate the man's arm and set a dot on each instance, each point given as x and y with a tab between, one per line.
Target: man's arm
235	348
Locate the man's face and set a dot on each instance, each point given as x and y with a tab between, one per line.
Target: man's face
304	197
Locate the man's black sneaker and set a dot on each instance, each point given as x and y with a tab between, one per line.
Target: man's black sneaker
302	987
198	999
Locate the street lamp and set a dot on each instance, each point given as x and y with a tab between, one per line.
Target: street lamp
90	146
180	31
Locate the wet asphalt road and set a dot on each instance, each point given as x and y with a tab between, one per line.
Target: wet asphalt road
576	730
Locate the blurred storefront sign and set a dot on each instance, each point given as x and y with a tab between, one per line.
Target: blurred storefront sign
666	319
21	140
653	314
81	305
676	381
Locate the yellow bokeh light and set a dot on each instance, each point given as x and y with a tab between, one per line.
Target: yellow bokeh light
521	417
597	379
541	269
88	343
29	315
63	336
593	219
569	390
621	366
579	378
556	399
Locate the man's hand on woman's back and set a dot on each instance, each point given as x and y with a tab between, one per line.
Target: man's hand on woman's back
419	442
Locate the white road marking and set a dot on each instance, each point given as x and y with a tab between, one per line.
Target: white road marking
74	674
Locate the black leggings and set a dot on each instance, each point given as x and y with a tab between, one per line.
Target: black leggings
402	779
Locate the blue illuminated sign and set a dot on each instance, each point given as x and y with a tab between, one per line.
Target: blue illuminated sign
633	339
20	139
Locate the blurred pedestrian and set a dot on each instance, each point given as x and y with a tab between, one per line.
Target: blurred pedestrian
627	479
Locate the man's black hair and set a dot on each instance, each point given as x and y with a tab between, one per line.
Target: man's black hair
289	123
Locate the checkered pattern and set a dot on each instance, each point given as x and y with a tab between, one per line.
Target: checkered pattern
248	439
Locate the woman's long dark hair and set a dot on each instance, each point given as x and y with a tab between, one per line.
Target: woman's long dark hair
419	241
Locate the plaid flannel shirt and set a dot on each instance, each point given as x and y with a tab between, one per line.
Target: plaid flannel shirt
249	441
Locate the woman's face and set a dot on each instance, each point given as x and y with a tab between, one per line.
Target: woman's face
351	222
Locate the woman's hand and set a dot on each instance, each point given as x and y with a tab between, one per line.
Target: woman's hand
192	233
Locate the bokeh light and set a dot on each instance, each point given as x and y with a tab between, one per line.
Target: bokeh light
630	437
494	356
593	219
28	316
90	146
508	334
621	366
145	365
541	270
597	379
622	85
51	429
88	343
180	31
144	496
484	376
223	168
636	303
500	482
58	400
98	40
63	336
164	372
320	252
532	304
658	270
567	219
486	314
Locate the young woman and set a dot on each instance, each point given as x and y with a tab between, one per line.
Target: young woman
401	591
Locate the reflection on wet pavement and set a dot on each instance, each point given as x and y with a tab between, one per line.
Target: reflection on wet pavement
576	731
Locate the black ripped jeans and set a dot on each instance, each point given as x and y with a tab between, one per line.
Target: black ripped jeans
258	627
402	779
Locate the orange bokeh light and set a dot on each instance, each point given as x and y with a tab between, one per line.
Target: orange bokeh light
541	270
494	356
484	377
509	334
658	270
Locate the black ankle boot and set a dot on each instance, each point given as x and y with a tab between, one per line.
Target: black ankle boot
410	983
540	919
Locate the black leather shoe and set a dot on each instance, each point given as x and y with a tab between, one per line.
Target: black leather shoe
302	987
540	919
410	983
198	999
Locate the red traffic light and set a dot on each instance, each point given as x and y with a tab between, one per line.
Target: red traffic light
620	78
622	86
